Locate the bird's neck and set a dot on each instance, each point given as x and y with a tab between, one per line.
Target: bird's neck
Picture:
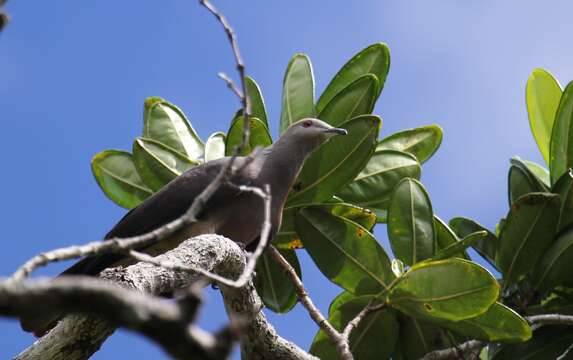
282	165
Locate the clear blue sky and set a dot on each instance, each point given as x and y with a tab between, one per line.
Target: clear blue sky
74	75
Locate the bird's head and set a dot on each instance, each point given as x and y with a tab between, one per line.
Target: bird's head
310	133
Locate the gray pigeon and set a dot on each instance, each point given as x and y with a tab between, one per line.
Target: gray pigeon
229	212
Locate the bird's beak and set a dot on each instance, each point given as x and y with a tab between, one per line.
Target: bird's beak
336	131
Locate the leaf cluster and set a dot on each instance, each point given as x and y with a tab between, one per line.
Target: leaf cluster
432	294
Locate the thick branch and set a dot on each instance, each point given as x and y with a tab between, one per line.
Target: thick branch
77	337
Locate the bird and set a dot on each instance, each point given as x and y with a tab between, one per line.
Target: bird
230	212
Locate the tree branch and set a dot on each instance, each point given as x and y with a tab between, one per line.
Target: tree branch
79	336
336	337
242	95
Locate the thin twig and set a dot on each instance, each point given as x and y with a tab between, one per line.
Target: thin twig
352	324
535	321
243	95
251	261
338	339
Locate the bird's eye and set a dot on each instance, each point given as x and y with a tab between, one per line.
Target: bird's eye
307	123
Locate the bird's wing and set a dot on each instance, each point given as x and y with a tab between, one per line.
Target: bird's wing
166	205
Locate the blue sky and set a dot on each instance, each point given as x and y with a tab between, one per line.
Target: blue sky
74	76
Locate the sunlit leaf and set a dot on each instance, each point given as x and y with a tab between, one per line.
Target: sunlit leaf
256	100
298	91
422	142
542	95
356	99
259	135
561	145
451	289
117	176
411	222
215	146
166	123
374	185
375	59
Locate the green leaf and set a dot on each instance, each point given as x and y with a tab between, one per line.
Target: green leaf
375	59
215	146
157	164
564	187
451	289
411	222
487	247
259	135
374	338
298	91
344	251
549	342
374	184
287	237
274	285
418	338
542	95
555	268
522	181
528	232
458	246
166	123
356	99
117	176
337	162
445	237
498	324
539	171
422	142
256	100
561	146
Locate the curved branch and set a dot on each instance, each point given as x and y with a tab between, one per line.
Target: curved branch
79	336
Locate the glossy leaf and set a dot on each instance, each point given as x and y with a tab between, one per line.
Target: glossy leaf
337	162
555	266
528	232
460	245
117	176
498	324
487	247
274	285
287	237
158	164
522	181
540	172
256	100
374	338
564	187
259	135
215	146
298	91
375	59
356	99
422	142
423	292
561	146
445	237
374	185
542	95
345	252
549	342
411	222
166	123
